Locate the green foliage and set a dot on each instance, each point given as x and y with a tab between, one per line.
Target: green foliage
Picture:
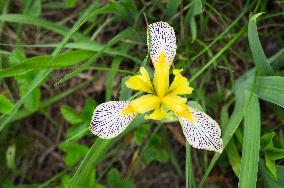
195	9
70	115
270	181
115	180
155	151
251	145
71	3
141	133
271	154
262	65
52	49
172	7
271	88
74	152
79	121
10	157
5	104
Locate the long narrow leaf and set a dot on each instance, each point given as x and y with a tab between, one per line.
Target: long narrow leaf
271	88
259	57
95	155
39	22
42	75
233	124
86	65
251	145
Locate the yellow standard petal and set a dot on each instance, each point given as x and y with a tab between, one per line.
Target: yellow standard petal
140	82
158	114
180	85
142	104
161	75
177	105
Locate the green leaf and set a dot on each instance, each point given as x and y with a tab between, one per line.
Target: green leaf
32	101
64	181
43	75
96	154
71	3
70	115
87	112
230	129
141	133
96	47
234	157
155	151
10	157
251	145
34	8
270	153
86	65
262	65
269	182
74	152
124	92
274	153
271	167
172	7
65	59
195	9
5	105
40	22
271	88
77	131
266	140
115	180
17	56
111	75
277	60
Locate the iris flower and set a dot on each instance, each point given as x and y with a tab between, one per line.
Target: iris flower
111	118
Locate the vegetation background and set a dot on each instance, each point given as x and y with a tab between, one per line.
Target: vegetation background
59	59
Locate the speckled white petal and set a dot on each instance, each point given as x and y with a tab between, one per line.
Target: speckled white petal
108	122
162	38
203	132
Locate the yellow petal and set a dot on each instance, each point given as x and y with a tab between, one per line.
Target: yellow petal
143	104
174	103
186	113
161	76
140	82
180	85
159	114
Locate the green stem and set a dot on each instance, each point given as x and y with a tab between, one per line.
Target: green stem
188	167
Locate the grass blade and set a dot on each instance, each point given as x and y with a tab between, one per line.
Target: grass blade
85	66
188	167
262	65
251	145
96	154
42	75
214	58
41	62
234	157
233	124
271	88
39	22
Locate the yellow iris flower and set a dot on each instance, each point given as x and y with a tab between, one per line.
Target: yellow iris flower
161	97
111	118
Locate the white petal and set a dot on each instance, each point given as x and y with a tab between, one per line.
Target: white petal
203	132
162	39
108	122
